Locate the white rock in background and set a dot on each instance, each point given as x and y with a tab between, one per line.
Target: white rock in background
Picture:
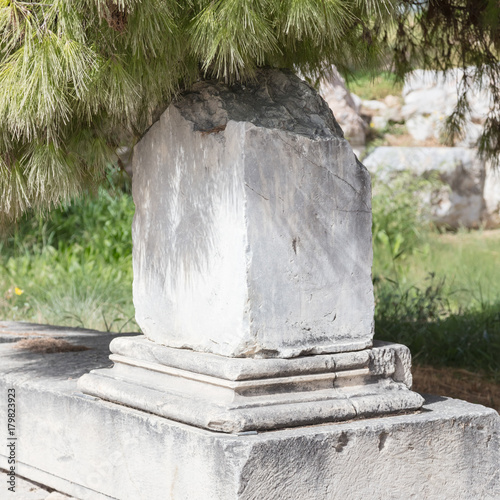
472	133
463	200
124	154
379	122
424	127
345	107
392	101
373	105
393	112
357	102
491	195
430	97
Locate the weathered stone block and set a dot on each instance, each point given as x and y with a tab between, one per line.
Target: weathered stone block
252	233
252	268
242	394
345	107
96	450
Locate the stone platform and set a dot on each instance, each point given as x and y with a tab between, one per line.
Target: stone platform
92	449
27	490
242	394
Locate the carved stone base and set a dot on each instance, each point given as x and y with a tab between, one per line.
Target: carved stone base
246	394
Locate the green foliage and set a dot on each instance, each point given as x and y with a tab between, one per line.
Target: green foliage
369	86
76	77
439	294
400	219
73	268
443	35
437	335
442	298
469	262
80	77
413	303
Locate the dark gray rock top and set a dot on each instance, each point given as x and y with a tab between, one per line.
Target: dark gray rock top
276	99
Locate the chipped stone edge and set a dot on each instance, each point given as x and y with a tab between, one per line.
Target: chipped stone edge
222	394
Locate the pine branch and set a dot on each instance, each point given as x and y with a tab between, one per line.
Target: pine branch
77	76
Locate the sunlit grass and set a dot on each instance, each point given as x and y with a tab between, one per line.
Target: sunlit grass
370	87
468	264
443	301
74	268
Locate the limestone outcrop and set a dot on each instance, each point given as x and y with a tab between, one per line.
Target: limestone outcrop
470	192
430	97
345	107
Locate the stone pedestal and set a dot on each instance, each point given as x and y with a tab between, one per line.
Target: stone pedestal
252	268
252	283
240	394
96	450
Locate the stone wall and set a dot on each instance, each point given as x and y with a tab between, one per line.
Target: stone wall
470	192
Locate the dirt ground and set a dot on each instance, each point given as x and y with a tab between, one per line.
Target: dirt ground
457	383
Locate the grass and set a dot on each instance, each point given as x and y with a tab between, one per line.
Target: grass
471	269
439	294
444	301
466	265
73	268
370	87
468	339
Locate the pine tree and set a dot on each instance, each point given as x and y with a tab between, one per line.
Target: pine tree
446	34
78	78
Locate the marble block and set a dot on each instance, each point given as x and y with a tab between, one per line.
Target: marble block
252	232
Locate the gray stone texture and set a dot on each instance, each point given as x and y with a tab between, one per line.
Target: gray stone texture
27	490
55	495
93	450
345	108
461	202
243	394
252	268
24	490
381	113
258	216
491	194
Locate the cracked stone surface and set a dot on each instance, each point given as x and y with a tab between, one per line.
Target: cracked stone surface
235	395
27	490
276	100
96	450
24	490
258	216
460	200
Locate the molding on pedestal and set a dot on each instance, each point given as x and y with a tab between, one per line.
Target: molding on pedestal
236	395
